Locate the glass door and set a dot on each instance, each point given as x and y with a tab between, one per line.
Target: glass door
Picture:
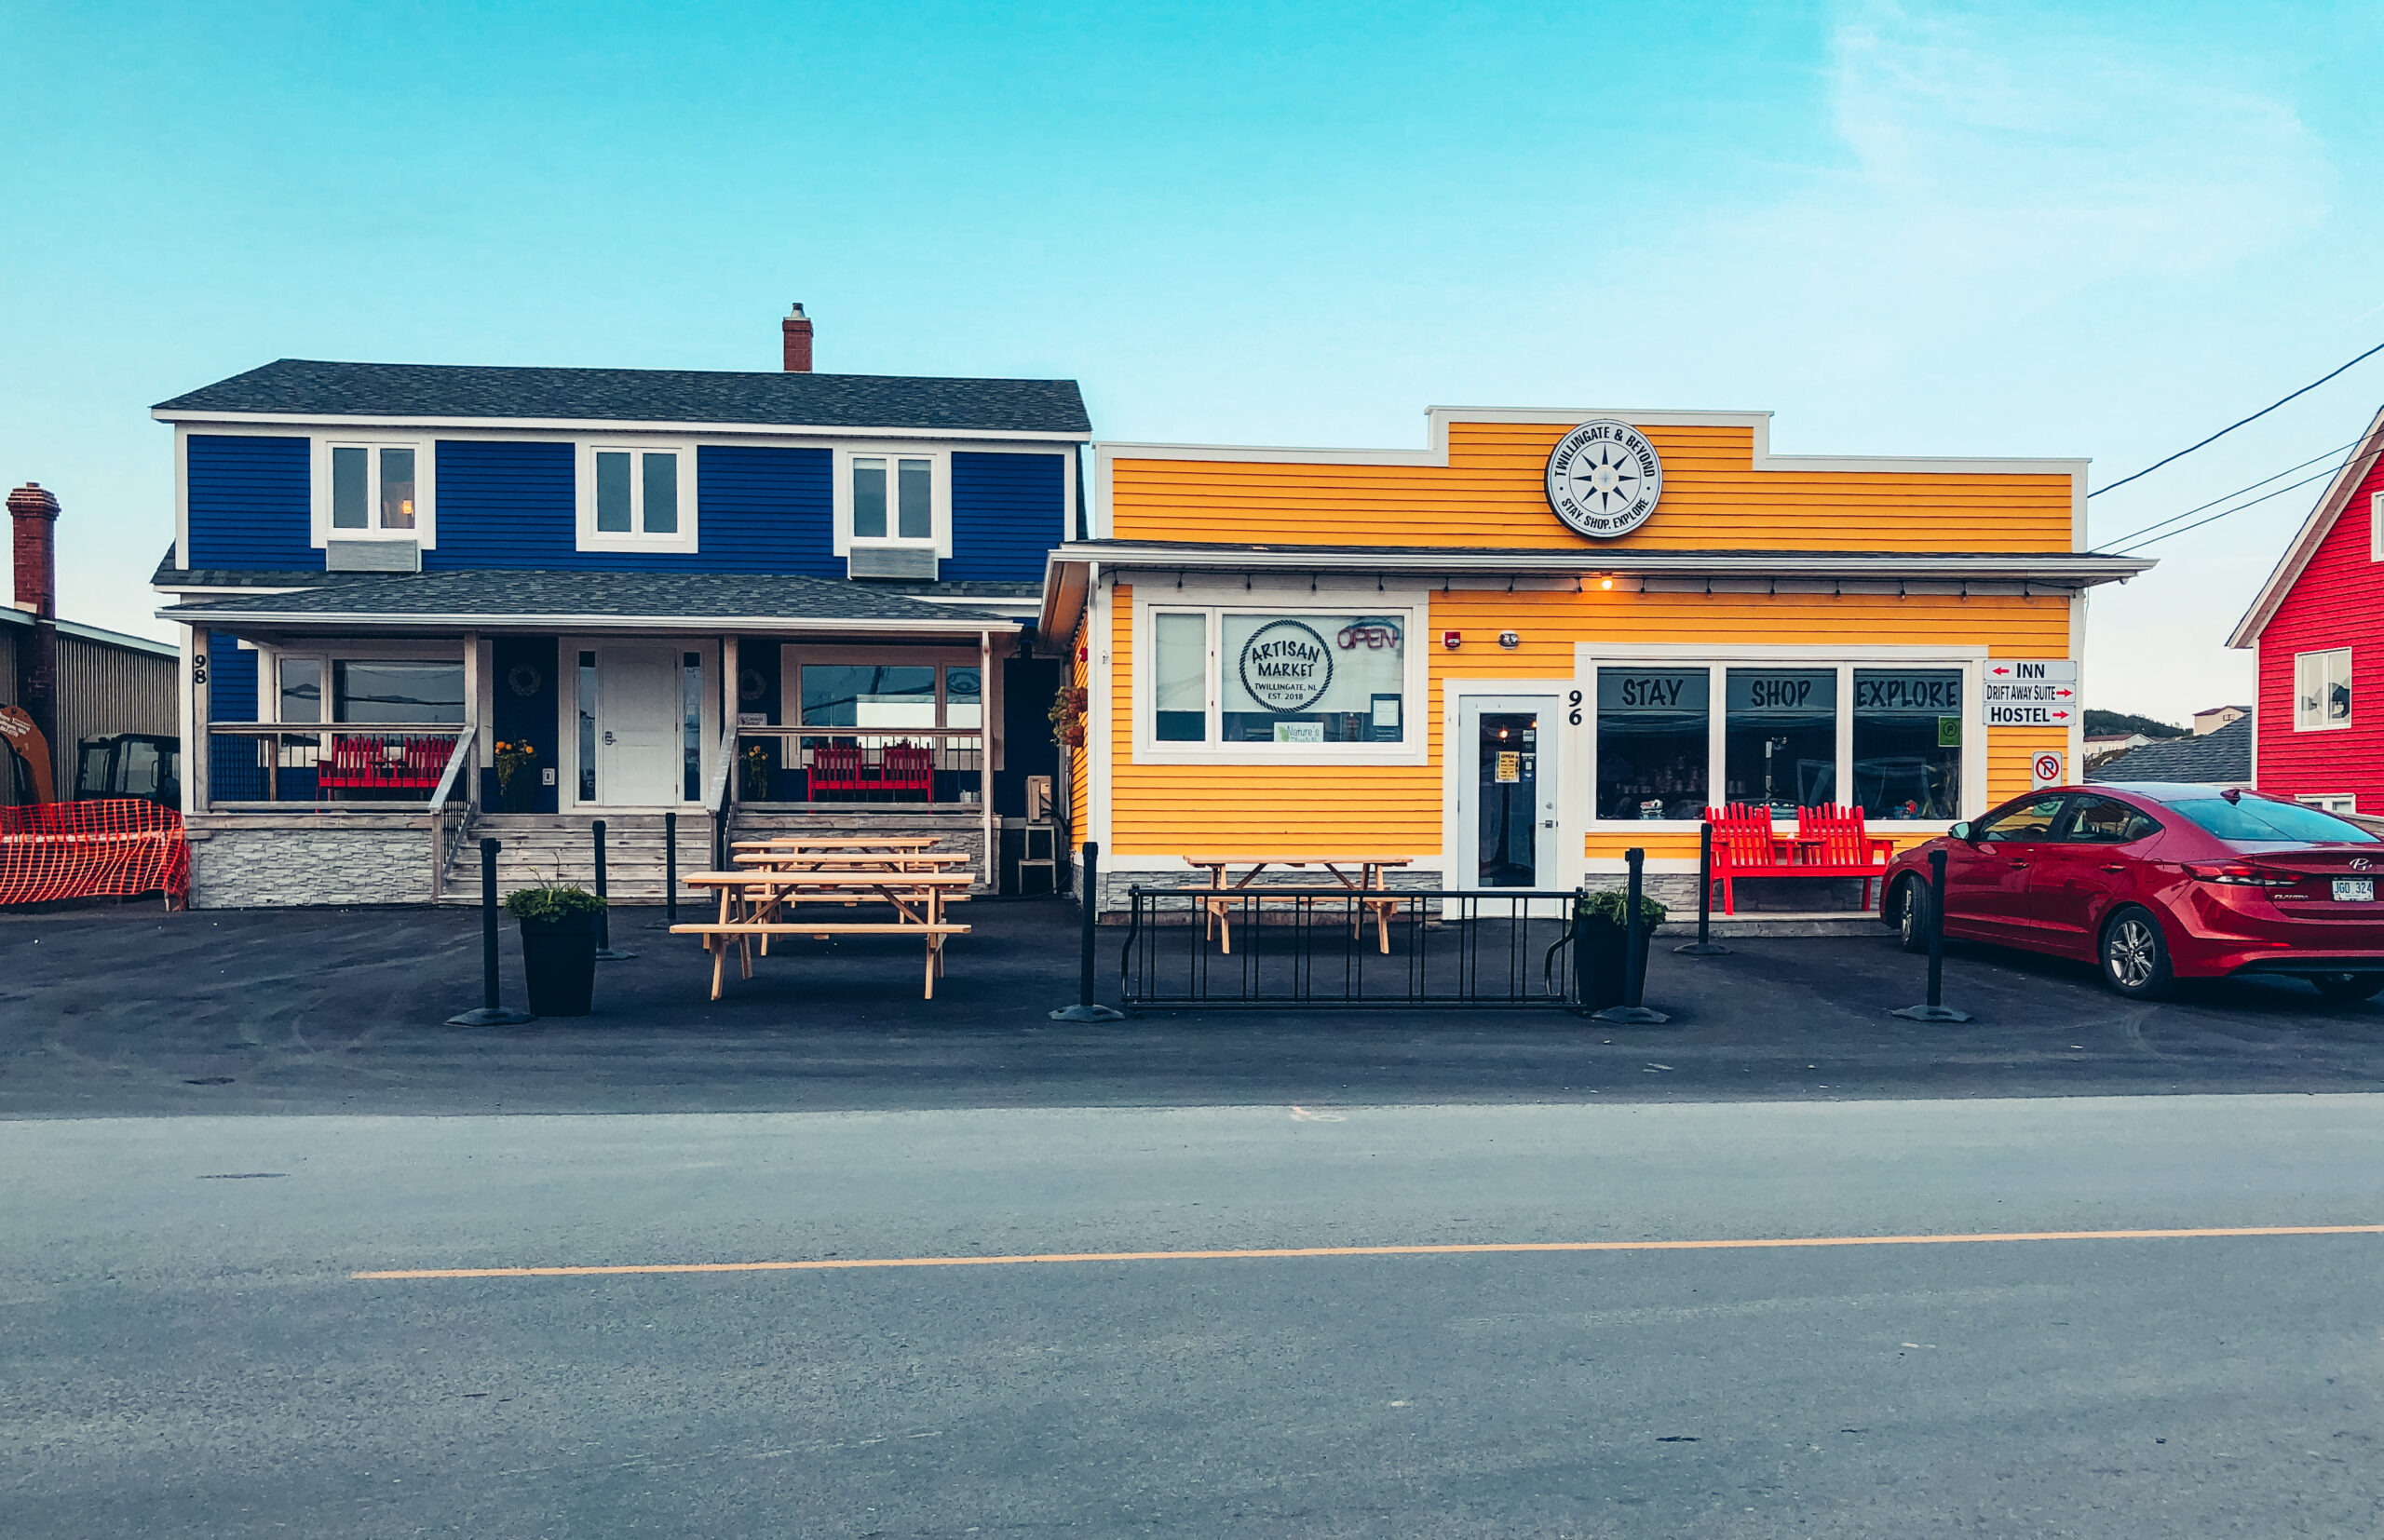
1508	784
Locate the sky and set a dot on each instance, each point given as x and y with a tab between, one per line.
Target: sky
1905	229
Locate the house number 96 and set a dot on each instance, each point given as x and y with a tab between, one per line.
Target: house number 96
1573	713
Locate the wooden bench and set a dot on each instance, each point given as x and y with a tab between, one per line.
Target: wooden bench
744	931
1829	842
1223	896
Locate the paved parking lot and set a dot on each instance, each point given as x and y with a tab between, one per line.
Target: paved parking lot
128	1010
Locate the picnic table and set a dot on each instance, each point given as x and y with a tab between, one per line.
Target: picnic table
1370	871
840	842
760	904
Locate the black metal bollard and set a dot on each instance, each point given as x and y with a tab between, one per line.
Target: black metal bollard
604	953
1632	1011
1704	946
669	869
489	1013
1089	900
1935	1009
720	839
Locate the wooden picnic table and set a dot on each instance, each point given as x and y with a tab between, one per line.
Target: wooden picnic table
751	904
841	842
1370	880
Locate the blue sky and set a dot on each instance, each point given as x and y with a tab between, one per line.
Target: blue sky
1905	229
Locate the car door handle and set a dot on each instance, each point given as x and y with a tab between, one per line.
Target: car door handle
2115	867
2019	863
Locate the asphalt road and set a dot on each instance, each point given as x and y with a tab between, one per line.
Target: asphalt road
129	1010
187	1351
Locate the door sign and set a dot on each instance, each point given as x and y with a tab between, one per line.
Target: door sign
2044	770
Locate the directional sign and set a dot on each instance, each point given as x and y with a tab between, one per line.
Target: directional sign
2026	691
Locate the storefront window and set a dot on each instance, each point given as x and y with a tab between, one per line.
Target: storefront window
1908	742
1652	742
407	693
1312	678
1780	737
1180	678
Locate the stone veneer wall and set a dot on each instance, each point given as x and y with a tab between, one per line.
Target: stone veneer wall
271	862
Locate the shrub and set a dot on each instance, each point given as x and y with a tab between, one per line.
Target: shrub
546	905
1613	907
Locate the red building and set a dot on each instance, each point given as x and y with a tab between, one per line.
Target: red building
2318	629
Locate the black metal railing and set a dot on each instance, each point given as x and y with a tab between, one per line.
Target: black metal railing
1318	947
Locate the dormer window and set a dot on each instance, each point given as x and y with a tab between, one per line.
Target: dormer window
893	509
637	497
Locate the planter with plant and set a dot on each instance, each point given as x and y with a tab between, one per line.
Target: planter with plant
1602	929
514	786
558	947
753	769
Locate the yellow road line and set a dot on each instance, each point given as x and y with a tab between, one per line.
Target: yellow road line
831	1264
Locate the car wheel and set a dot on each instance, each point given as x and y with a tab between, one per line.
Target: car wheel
1912	915
2345	989
2135	960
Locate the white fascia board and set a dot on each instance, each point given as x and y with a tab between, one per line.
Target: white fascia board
2313	533
2049	566
498	426
321	620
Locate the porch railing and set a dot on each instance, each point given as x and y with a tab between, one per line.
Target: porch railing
1321	947
452	802
860	764
281	763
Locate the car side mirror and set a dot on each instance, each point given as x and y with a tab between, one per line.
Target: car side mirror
1959	832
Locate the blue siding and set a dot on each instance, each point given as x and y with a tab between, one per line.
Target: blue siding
231	680
1008	512
511	505
249	505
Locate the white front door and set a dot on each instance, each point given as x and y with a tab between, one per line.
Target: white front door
640	748
1507	788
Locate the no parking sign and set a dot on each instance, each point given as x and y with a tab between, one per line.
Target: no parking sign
2044	770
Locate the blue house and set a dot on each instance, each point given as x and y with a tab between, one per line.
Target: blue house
422	603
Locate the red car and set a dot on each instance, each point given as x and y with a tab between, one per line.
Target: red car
2153	881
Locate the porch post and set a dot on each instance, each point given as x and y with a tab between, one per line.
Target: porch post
480	705
728	713
985	759
202	747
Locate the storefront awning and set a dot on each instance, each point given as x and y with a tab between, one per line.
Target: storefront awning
1067	575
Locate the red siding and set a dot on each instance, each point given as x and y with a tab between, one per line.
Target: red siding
2337	601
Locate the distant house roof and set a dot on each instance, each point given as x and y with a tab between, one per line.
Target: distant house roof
11	615
299	388
532	599
2214	710
2348	479
2223	758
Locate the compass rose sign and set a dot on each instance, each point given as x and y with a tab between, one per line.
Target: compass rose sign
1603	478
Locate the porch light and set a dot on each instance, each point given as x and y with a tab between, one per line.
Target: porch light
1606	582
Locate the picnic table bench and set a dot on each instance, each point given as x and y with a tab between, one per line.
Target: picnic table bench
1829	842
1370	880
753	902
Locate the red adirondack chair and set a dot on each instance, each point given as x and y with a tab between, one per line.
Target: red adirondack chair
907	767
1743	846
1833	836
834	767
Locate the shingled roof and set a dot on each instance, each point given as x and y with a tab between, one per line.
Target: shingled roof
2221	758
528	599
309	387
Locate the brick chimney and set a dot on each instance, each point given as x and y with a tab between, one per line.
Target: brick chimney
797	327
34	513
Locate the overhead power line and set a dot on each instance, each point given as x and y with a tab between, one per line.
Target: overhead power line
2138	534
2139	545
2232	426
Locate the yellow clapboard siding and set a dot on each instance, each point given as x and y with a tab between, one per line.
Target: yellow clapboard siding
1492	494
1258	809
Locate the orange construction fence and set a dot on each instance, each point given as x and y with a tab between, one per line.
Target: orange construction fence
113	847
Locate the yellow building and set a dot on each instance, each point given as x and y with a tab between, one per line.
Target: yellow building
1554	635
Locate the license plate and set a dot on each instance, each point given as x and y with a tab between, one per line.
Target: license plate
2354	890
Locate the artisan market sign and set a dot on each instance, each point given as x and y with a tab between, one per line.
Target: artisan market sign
1603	478
1286	665
2029	692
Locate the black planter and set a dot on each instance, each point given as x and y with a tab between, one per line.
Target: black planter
521	794
559	963
1604	947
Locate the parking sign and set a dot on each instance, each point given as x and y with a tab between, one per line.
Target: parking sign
2043	771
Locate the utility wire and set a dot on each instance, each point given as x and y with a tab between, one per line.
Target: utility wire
2133	535
2238	507
2232	426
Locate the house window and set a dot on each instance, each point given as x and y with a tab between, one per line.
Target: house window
1653	743
691	712
587	696
302	689
373	488
2321	689
893	696
1179	678
637	498
893	498
2331	801
2376	526
398	691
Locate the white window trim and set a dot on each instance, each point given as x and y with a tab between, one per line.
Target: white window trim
2376	526
1718	661
684	539
348	650
791	659
939	495
426	482
2321	724
2329	801
1411	605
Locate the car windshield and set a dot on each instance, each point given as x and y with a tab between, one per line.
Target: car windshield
2257	821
